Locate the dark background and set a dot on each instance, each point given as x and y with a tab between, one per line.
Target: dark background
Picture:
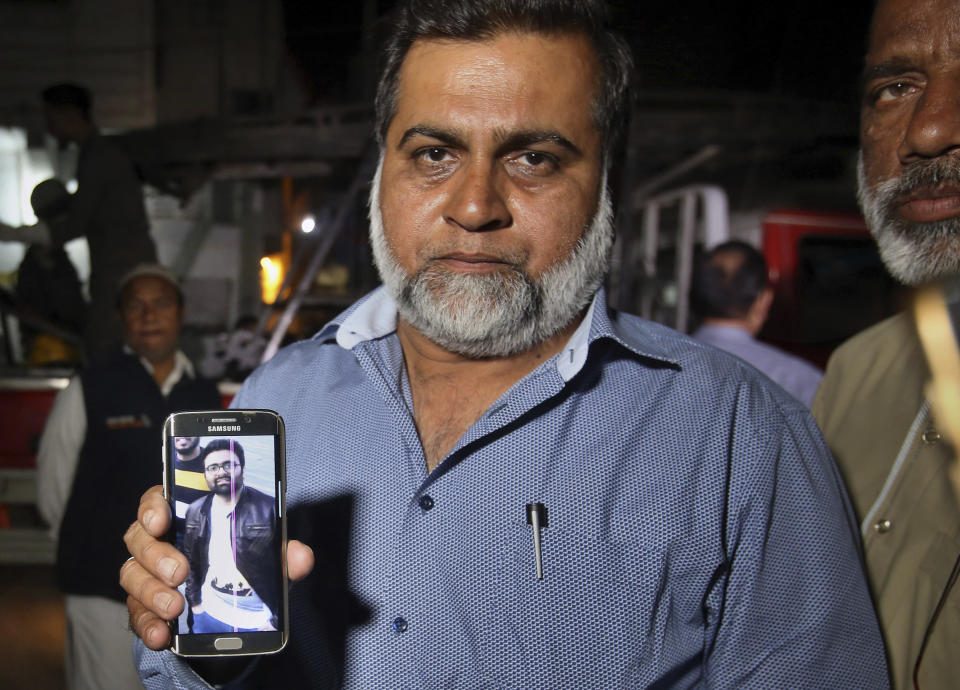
812	49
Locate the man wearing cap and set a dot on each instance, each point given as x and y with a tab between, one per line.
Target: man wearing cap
99	451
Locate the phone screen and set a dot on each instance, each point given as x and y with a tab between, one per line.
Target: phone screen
225	490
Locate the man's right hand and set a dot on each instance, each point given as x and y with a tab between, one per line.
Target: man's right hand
151	576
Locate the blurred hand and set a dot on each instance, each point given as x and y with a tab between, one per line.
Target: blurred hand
156	568
28	234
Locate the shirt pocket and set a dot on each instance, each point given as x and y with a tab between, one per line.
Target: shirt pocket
587	623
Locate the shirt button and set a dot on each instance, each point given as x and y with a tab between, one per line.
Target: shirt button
426	502
400	625
883	526
931	436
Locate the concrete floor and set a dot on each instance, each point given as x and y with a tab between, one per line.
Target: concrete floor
31	629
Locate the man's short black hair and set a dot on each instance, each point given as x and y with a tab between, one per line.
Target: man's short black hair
69	95
727	281
478	20
224	444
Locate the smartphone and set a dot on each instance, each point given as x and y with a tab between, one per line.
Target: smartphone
224	476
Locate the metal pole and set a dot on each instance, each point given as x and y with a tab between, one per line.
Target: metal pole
320	254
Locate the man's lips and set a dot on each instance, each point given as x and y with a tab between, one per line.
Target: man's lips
466	263
930	205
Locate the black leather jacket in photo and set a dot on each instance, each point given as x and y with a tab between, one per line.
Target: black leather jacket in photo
258	553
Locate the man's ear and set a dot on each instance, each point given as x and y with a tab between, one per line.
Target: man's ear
760	310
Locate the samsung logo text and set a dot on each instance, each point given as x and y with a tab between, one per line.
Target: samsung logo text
217	428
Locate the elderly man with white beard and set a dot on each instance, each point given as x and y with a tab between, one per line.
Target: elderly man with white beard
535	491
871	404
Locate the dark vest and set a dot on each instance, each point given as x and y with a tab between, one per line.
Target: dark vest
121	458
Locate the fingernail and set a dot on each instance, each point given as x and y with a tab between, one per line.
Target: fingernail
168	567
152	635
148	518
162	601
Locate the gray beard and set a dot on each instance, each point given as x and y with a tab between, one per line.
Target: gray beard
499	314
914	253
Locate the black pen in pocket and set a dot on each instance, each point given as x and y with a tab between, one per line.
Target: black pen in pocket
537	519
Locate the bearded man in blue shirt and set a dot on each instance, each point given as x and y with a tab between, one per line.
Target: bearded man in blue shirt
506	483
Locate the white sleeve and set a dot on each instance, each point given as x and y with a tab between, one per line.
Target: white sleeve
59	452
27	234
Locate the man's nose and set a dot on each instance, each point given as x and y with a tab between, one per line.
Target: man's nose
933	129
477	201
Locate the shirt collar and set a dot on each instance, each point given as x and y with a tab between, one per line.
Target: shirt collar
641	337
375	316
182	366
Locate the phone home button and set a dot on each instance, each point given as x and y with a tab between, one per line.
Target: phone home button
224	644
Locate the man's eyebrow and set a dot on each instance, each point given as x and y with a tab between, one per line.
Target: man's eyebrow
884	70
508	141
512	141
443	136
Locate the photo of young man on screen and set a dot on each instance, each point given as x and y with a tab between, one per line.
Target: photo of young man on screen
229	540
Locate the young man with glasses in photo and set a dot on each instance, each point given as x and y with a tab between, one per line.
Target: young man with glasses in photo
227	543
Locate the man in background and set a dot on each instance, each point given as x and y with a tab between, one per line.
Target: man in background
871	404
107	209
188	476
733	298
48	288
191	485
100	449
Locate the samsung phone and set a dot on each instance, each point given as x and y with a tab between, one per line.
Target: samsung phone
224	476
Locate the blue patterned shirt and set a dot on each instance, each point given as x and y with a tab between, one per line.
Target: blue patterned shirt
696	531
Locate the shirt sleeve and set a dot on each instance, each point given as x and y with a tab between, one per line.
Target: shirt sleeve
164	670
794	609
59	451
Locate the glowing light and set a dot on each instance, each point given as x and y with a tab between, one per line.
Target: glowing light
308	224
271	276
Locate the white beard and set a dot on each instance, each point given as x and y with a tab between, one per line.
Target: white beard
495	314
914	253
